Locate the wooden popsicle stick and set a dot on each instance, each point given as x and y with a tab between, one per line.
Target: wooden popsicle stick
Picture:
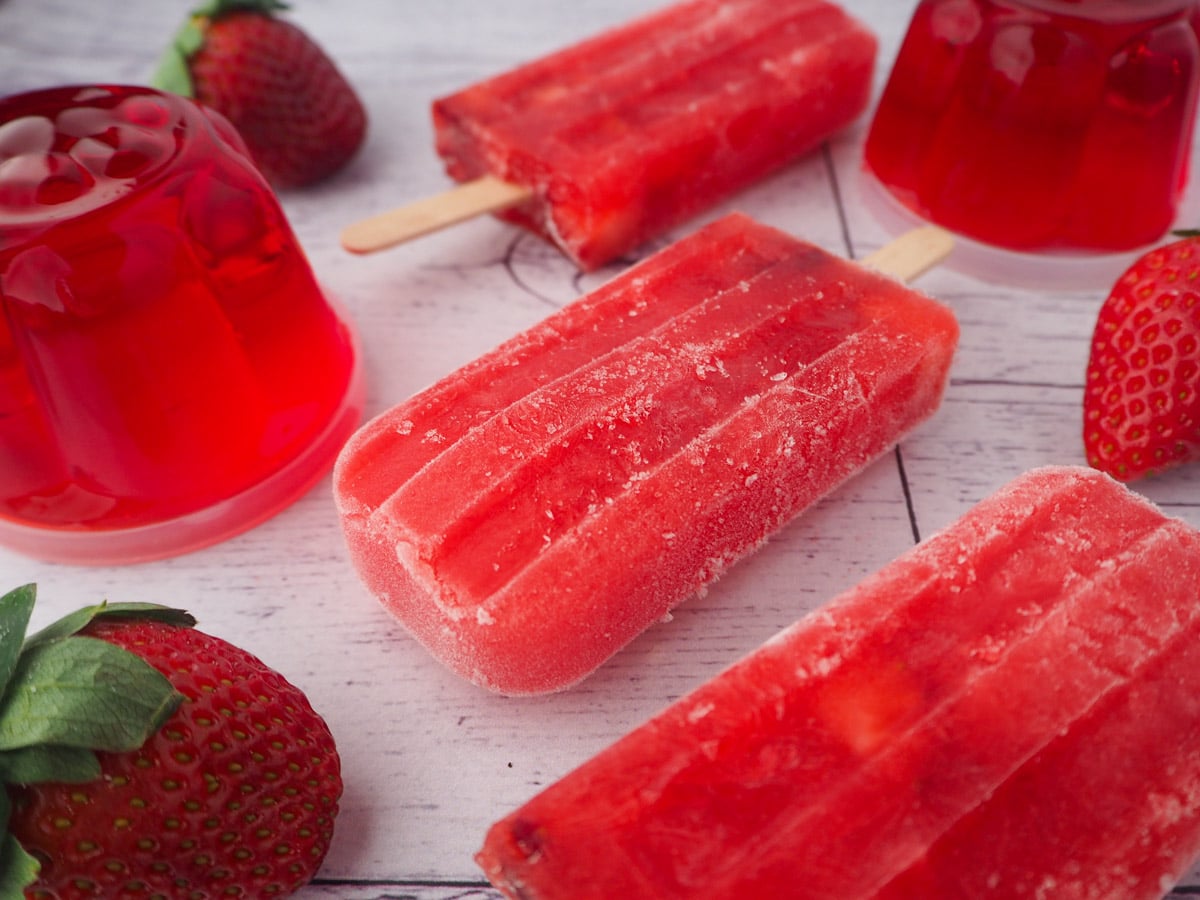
905	258
913	253
466	201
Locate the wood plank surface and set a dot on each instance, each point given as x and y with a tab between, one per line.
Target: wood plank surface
430	761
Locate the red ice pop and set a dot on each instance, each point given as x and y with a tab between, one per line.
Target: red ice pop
1011	709
608	143
530	514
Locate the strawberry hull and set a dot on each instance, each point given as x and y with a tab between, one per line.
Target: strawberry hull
637	129
532	513
940	730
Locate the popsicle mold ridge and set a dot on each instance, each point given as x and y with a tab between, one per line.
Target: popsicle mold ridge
1010	709
530	514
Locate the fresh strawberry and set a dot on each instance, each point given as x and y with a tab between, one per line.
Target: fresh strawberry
1142	400
297	113
144	758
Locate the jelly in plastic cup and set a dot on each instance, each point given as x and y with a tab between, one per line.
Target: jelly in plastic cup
1059	126
170	371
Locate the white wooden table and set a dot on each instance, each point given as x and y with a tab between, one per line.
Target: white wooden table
430	760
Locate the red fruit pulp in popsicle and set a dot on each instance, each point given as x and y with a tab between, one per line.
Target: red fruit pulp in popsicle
163	344
531	513
639	128
1042	125
1005	709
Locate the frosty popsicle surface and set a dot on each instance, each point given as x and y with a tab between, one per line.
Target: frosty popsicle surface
1004	711
531	513
626	134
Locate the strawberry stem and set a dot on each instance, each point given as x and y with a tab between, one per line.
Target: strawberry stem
215	8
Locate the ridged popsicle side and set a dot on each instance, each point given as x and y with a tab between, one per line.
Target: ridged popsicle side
1111	807
527	544
400	441
829	761
641	127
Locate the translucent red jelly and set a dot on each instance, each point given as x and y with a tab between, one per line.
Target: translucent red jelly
170	372
1043	125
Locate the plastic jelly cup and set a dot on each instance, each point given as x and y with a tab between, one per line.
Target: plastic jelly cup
1042	126
170	372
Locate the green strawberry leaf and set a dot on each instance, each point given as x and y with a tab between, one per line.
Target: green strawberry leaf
75	622
18	869
172	74
173	71
33	765
15	609
84	692
64	696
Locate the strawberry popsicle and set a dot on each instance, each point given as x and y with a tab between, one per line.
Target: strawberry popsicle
622	136
533	512
1011	709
